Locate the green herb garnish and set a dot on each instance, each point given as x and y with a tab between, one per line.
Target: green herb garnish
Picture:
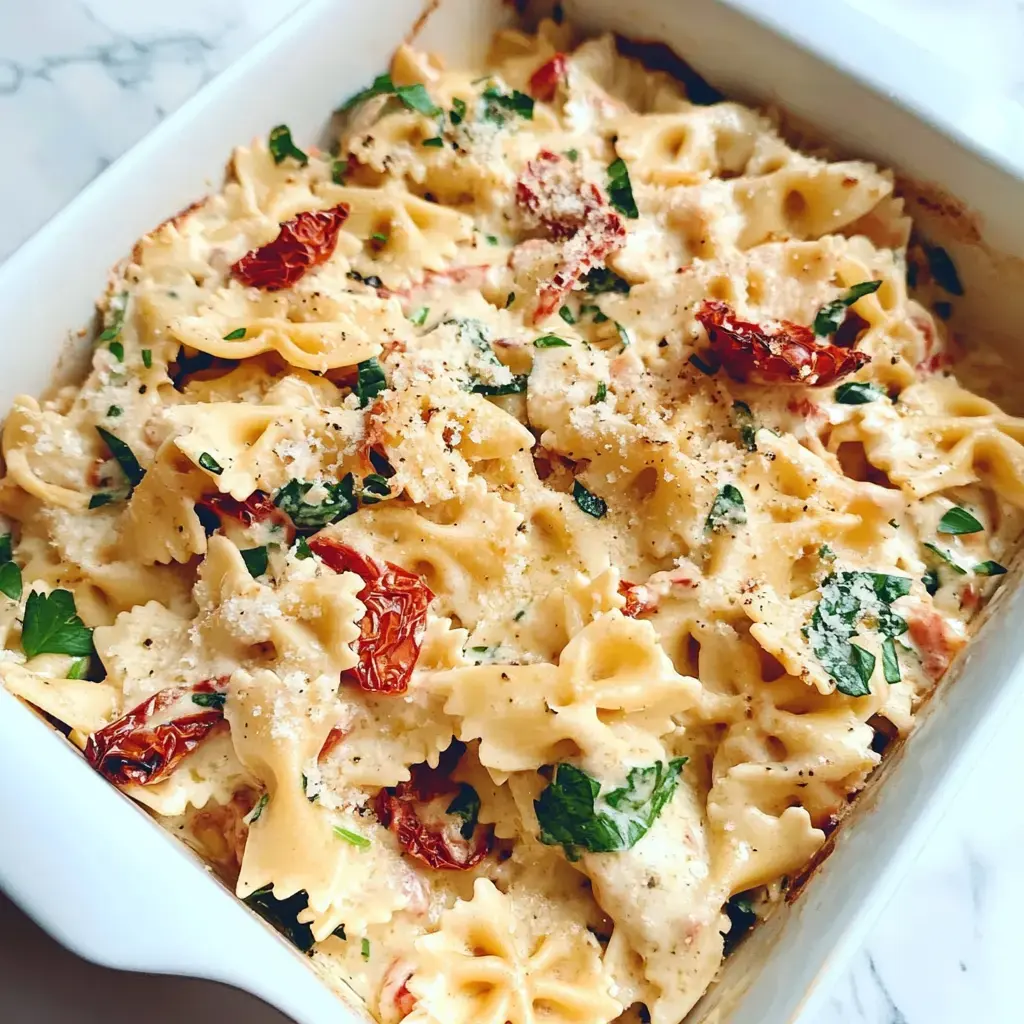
116	309
210	700
419	317
283	915
210	464
566	314
52	626
364	949
281	146
124	457
588	502
958	520
415	97
256	560
705	368
989	568
858	392
620	191
496	103
830	317
11	582
946	557
339	503
254	814
78	669
601	393
466	805
727	510
602	279
352	837
339	168
114	411
147	358
302	549
370	381
551	341
434	142
745	424
236	335
572	812
375	488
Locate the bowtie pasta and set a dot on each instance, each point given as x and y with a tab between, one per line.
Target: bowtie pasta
504	544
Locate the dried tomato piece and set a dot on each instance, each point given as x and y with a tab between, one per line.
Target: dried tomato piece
304	242
544	81
636	599
417	812
935	640
552	193
133	749
257	508
392	629
776	353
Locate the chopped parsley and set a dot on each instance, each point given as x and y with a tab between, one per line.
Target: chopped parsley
375	488
858	392
254	815
602	279
6	547
340	501
466	805
419	317
620	191
281	146
566	314
601	393
492	240
931	581
370	280
958	520
380	237
727	510
101	499
572	812
256	560
710	369
302	549
339	168
236	335
370	381
147	358
434	142
890	663
414	97
116	309
516	386
509	299
124	457
946	557
847	599
77	669
458	112
114	411
117	351
745	424
352	837
623	334
572	155
209	700
52	626
989	568
826	554
497	104
588	502
830	317
364	948
210	464
11	582
551	341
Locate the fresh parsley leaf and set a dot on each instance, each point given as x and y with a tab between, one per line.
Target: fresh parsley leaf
602	279
117	350
6	547
364	949
601	393
339	168
77	669
379	236
493	240
419	317
236	335
256	560
210	464
339	503
302	549
710	369
375	488
572	812
943	269
620	191
830	317
11	582
147	358
352	837
826	554
102	498
858	392
52	626
516	386
458	112
572	155
434	142
566	314
114	411
281	146
115	322
946	557
210	700
416	97
370	381
958	520
745	424
589	503
727	510
466	805
124	457
509	299
551	341
496	103
989	568
623	334
283	915
847	598
595	312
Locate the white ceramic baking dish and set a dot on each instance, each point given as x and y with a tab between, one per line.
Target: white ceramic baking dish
92	869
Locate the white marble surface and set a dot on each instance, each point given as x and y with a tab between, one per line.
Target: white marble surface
80	81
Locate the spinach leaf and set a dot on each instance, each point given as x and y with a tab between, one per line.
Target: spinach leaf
256	560
572	812
602	279
11	582
745	424
727	510
281	146
620	190
466	804
307	517
989	568
497	103
283	915
958	520
830	317
370	381
858	392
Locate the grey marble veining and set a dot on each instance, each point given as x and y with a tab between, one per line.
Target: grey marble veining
80	81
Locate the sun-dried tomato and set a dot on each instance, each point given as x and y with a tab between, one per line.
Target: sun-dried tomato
776	353
636	599
417	812
132	749
304	242
257	508
334	737
544	81
392	629
551	192
936	642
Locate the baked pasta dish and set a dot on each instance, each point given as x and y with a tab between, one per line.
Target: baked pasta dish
503	543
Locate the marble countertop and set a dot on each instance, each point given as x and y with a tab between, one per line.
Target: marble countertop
80	81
